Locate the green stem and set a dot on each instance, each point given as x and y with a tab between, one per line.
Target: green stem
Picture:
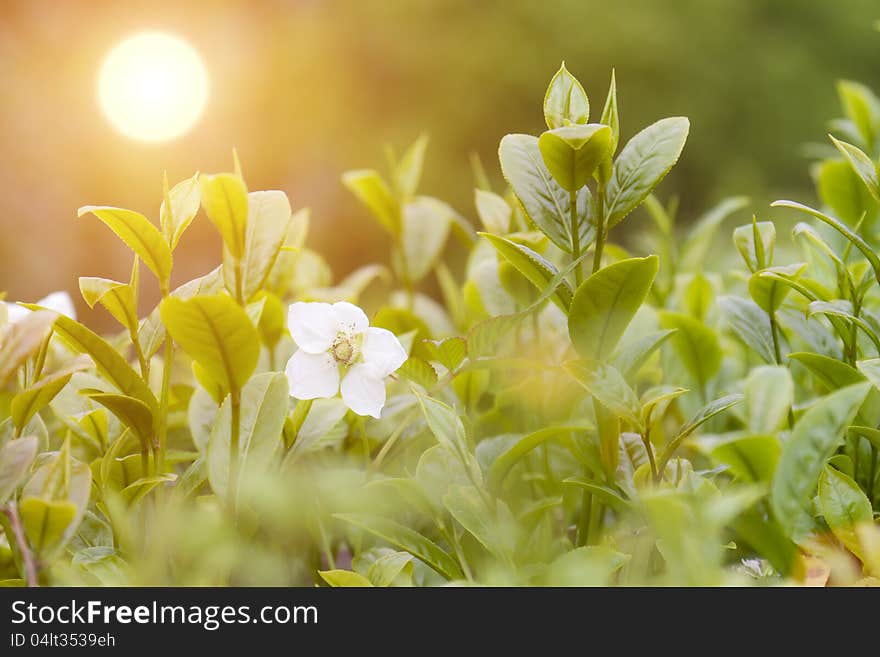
234	430
583	528
777	353
164	396
142	360
575	236
600	228
15	530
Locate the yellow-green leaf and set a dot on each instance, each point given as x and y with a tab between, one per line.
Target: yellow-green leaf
139	234
225	200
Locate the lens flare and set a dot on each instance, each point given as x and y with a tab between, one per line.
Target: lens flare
153	86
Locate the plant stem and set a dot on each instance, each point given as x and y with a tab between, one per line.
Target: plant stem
27	557
138	350
575	236
583	528
777	353
600	228
234	430
163	404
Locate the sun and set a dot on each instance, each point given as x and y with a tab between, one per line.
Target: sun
153	86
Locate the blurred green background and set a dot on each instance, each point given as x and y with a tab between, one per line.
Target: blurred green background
307	89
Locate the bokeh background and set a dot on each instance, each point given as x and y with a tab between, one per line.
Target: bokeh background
308	89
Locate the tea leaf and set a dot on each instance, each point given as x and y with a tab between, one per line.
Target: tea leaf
533	266
642	164
225	200
111	365
217	334
606	302
367	185
268	220
545	202
844	507
16	457
139	235
565	102
572	153
179	209
406	539
344	578
696	344
813	440
863	165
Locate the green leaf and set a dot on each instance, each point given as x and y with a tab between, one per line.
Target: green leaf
22	339
699	418
217	334
264	406
533	266
118	298
344	578
132	412
813	440
406	539
861	107
493	211
863	165
367	185
449	352
841	189
844	506
572	153
843	310
545	202
841	228
111	365
611	116
268	221
225	200
419	372
755	243
408	171
766	289
749	325
30	401
565	102
830	372
139	235
749	458
470	510
179	209
449	431
696	344
607	495
425	225
606	302
769	394
608	387
16	457
630	357
594	565
502	465
46	522
642	164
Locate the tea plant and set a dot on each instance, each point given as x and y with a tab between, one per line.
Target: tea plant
571	413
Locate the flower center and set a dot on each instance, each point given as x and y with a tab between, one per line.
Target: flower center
344	348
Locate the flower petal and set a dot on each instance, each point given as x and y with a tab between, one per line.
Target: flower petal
313	326
60	302
382	350
363	390
351	318
312	376
16	313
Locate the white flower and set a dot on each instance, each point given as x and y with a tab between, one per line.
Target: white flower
339	336
60	302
